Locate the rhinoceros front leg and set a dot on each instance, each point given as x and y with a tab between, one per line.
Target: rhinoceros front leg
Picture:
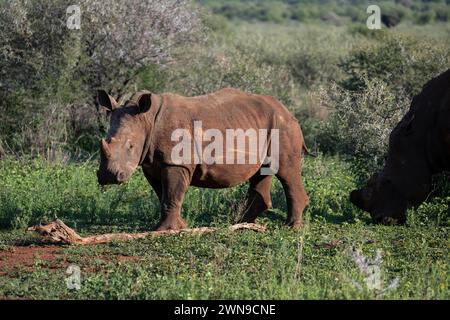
174	183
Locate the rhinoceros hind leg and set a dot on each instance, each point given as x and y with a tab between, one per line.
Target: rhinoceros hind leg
296	197
258	198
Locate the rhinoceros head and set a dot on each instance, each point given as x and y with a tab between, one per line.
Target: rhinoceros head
382	199
419	147
121	151
404	180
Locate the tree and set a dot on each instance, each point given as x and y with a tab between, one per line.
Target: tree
43	61
116	39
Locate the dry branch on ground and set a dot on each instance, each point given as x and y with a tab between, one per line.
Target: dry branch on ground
58	232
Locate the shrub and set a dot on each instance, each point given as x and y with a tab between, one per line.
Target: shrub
314	54
279	11
361	121
230	67
310	67
380	81
34	37
404	63
426	17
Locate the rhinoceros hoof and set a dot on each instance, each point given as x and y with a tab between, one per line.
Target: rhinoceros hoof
175	223
295	224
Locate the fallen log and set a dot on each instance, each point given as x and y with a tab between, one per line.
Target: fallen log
57	232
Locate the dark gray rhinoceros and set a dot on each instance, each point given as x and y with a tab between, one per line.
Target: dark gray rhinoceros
142	132
419	147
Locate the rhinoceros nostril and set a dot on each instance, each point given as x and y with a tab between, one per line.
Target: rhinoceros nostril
121	176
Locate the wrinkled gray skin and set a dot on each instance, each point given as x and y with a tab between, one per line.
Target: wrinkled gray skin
419	147
127	133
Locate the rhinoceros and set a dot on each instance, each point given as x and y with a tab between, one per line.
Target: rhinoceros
419	147
147	131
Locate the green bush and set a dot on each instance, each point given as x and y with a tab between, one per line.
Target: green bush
283	11
315	55
426	17
229	67
379	83
50	73
361	121
404	63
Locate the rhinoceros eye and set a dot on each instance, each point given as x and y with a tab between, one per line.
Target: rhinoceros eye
130	145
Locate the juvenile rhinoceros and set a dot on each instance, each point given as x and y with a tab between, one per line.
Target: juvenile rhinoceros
150	130
419	147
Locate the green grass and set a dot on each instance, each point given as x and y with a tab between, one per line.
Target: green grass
312	263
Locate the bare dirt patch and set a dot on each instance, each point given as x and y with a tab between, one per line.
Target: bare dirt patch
26	256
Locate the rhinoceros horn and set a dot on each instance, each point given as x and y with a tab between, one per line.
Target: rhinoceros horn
105	148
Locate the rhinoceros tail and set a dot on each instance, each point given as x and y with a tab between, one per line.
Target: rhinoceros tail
306	151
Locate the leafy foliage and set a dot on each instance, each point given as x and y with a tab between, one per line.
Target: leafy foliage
404	63
361	121
46	67
314	263
347	85
278	11
379	83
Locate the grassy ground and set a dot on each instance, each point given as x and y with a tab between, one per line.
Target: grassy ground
318	261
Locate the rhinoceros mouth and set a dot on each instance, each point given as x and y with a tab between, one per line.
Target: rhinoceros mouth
105	178
389	221
357	199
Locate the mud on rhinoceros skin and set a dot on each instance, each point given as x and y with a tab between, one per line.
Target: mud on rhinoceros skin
140	135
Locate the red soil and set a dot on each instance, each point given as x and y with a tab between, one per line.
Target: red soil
25	257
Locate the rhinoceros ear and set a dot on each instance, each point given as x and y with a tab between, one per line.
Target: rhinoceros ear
145	102
105	100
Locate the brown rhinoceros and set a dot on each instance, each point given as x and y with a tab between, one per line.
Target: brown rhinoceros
419	147
148	130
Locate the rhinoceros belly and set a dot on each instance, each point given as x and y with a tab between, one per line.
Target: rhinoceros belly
223	175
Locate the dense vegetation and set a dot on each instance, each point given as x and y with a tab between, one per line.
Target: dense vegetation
329	11
315	262
347	85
